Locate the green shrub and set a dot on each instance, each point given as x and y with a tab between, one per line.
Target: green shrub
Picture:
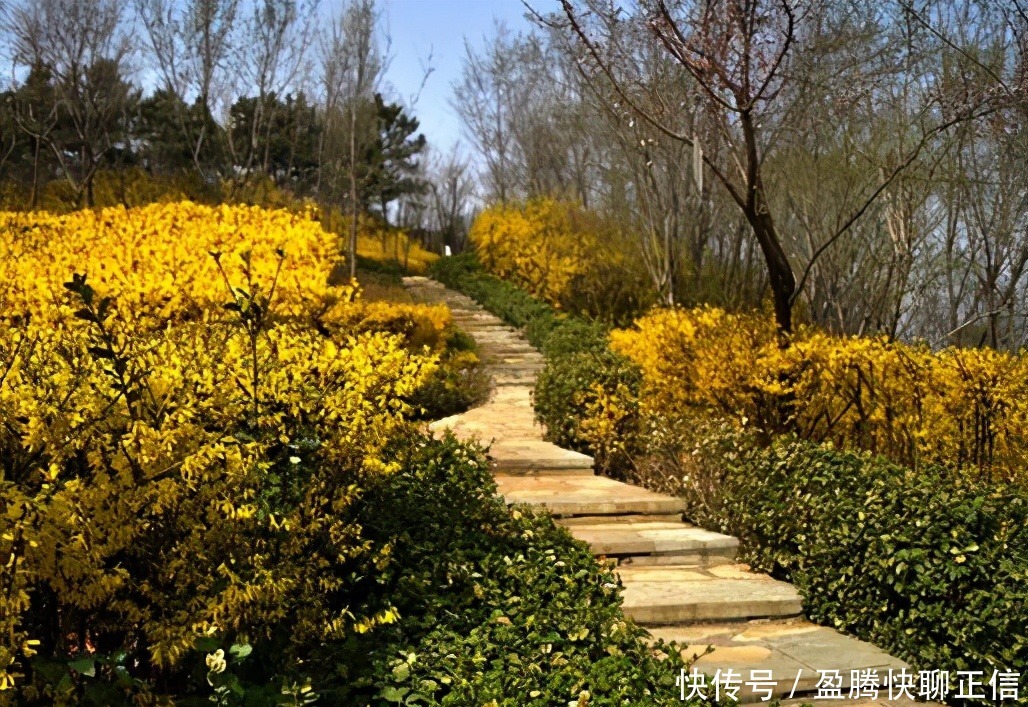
928	565
569	336
459	383
495	603
588	401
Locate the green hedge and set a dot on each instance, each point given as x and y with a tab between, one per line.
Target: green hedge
925	564
495	603
541	322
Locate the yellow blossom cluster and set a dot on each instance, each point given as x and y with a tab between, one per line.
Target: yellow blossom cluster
188	411
165	261
966	408
545	245
378	242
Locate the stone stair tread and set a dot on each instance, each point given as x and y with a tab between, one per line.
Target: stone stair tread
674	594
584	495
510	356
533	455
634	535
790	648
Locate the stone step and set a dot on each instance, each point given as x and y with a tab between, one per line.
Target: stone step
512	358
637	541
485	326
503	370
680	594
533	457
794	650
475	318
581	495
514	378
503	352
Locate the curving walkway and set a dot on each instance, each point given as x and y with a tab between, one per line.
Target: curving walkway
681	581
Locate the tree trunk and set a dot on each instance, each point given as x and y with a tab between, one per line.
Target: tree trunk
35	174
780	275
758	214
354	208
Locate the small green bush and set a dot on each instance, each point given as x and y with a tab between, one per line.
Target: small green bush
494	603
570	385
928	565
459	383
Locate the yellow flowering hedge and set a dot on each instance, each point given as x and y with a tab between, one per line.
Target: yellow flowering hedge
187	412
959	407
561	253
377	242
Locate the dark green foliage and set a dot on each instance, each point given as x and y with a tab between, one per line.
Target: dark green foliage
495	604
459	383
279	136
925	564
392	158
568	383
179	137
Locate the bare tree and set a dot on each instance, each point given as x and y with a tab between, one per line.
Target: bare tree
84	47
485	99
190	45
277	35
741	53
451	190
352	65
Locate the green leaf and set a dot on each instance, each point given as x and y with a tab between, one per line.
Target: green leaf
85	666
393	694
401	672
207	644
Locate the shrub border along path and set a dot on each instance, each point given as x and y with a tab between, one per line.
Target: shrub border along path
680	580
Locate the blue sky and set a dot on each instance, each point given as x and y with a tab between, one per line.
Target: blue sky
419	28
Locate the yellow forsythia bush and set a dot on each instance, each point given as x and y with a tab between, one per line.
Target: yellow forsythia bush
966	408
377	242
182	433
561	253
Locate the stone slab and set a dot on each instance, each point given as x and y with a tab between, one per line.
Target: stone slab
772	645
664	595
536	456
569	495
648	541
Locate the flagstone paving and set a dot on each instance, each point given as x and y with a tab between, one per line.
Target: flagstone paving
681	581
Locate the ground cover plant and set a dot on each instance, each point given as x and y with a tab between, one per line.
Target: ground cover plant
501	606
927	564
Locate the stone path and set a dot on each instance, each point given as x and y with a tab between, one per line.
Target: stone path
681	582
